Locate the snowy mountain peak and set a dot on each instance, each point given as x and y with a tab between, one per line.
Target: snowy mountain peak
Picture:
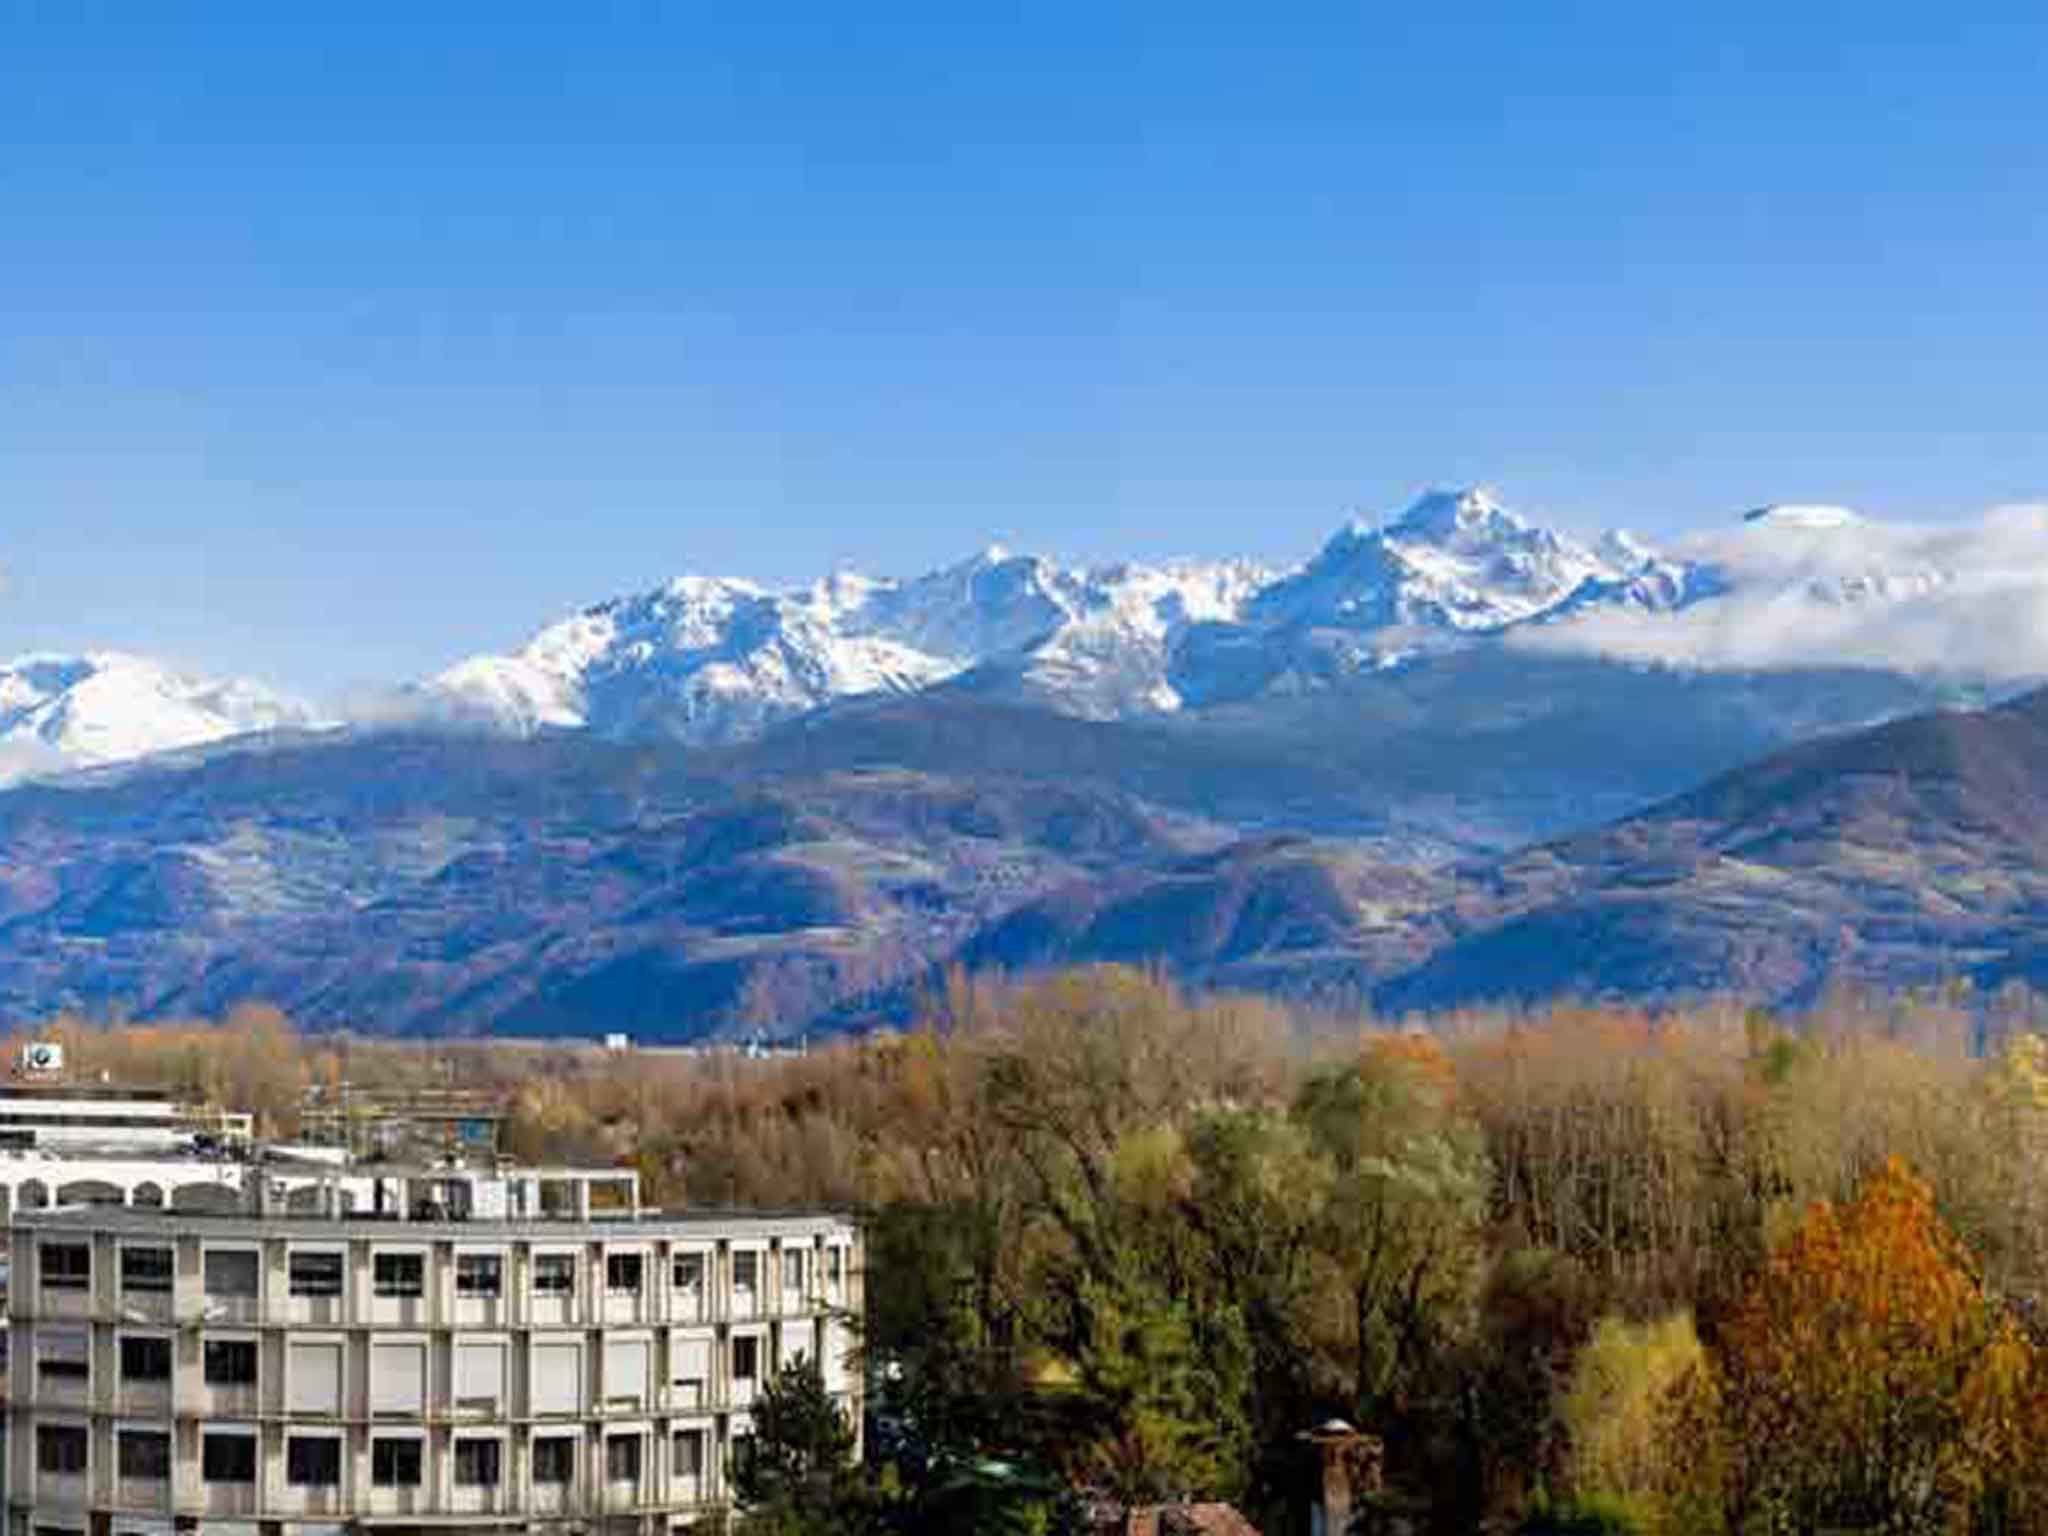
59	712
1456	561
1449	514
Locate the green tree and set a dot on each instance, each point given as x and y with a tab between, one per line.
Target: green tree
796	1475
1404	1215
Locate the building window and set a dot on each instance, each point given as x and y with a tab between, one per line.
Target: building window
228	1458
312	1461
315	1274
746	1271
793	1269
477	1463
746	1357
67	1266
230	1362
231	1273
622	1273
143	1453
835	1267
622	1458
688	1274
395	1463
479	1274
399	1274
689	1453
554	1274
63	1355
554	1459
145	1357
60	1449
146	1270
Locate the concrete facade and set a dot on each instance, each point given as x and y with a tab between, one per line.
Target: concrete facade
317	1372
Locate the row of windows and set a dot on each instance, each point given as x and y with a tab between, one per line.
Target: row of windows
147	1357
63	1357
61	1449
314	1461
234	1273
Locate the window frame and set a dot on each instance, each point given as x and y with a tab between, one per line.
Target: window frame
297	1475
489	1451
160	1439
696	1436
67	1366
469	1267
69	1435
632	1261
297	1286
65	1279
240	1256
206	1362
544	1474
389	1477
148	1285
632	1441
554	1274
409	1283
209	1438
752	1343
160	1341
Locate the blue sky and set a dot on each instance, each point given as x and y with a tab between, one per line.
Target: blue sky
332	350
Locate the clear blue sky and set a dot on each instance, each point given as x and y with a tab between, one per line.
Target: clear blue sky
334	349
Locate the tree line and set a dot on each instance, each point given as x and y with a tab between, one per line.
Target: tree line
1587	1269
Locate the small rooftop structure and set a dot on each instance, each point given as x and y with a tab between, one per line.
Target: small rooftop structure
406	1123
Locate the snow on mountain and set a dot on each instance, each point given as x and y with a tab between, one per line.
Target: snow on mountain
63	712
703	659
706	659
1456	562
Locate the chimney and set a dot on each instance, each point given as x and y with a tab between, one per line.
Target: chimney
1346	1467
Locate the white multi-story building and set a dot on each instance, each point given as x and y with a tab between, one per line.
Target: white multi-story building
441	1349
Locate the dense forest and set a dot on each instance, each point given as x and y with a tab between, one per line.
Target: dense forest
1704	1271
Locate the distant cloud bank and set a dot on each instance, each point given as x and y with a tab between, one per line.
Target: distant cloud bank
1967	598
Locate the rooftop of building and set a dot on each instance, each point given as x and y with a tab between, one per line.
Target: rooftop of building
95	1092
155	1220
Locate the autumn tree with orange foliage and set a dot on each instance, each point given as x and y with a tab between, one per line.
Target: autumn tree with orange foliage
1854	1371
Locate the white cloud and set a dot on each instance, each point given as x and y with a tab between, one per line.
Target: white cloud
1969	599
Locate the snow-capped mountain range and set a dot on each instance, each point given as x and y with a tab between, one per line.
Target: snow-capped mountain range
709	659
706	660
